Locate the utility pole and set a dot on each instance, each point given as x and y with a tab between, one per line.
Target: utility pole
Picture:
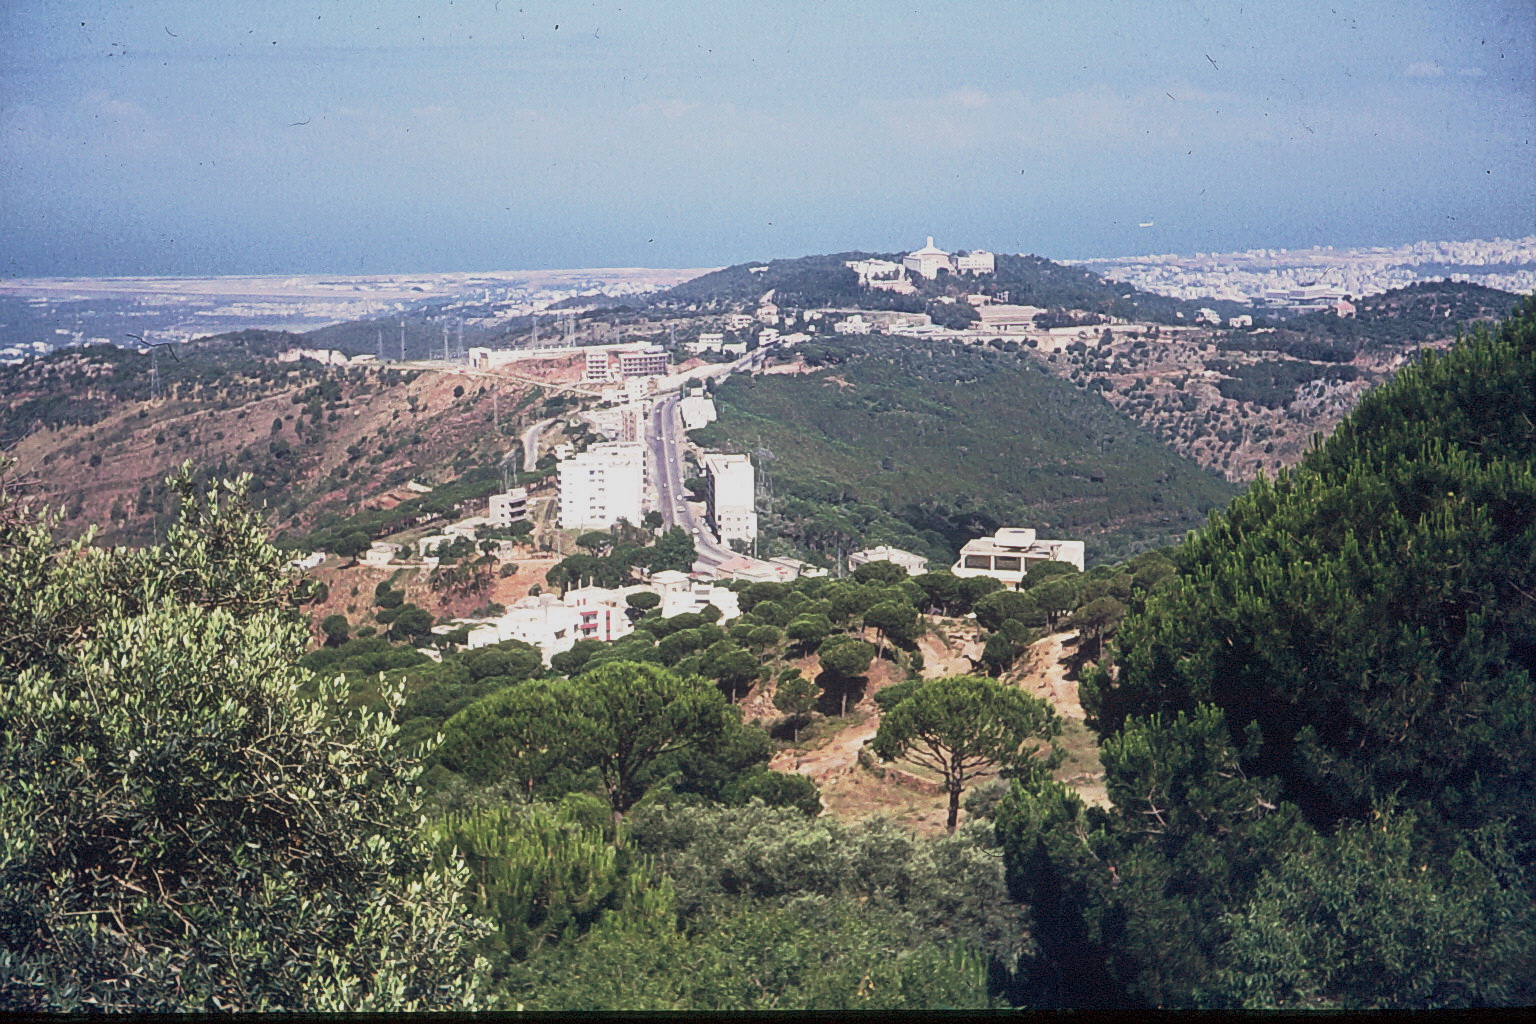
154	375
381	344
402	339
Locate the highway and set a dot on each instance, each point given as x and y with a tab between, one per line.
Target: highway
663	436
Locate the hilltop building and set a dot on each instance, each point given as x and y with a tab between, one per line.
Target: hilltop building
730	496
1008	554
930	259
602	485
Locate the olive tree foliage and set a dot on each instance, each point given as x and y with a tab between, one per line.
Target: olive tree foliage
179	828
963	727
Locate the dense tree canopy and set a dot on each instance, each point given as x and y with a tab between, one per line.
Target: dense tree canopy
182	829
1317	738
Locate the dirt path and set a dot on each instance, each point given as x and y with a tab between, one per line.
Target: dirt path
839	757
1043	673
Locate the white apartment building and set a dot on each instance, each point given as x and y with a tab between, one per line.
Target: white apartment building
602	485
870	271
650	361
1008	554
709	341
978	262
509	507
730	496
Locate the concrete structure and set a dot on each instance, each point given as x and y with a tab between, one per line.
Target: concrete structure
855	324
977	262
928	260
650	361
602	485
738	321
1008	554
801	570
874	270
378	555
914	564
682	593
709	341
730	496
509	507
697	411
606	364
554	624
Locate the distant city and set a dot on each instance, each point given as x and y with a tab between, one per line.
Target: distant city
1257	275
40	314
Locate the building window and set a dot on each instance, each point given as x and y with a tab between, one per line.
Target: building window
1006	563
978	562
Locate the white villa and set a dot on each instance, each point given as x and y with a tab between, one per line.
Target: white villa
1008	554
914	564
553	624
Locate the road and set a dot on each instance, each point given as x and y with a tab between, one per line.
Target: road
664	437
531	444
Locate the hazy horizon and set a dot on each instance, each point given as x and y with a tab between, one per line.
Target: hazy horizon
183	139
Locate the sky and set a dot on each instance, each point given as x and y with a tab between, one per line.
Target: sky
386	136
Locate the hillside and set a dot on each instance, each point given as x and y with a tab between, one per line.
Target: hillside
824	280
1353	827
324	443
1242	400
925	444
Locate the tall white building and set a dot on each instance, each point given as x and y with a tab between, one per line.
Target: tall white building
731	496
602	485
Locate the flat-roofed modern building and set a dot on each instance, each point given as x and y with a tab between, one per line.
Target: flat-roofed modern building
1008	554
602	485
914	564
730	496
509	507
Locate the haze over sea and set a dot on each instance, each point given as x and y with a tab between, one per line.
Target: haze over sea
307	137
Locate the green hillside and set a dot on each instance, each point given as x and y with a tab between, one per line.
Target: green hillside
1317	735
928	443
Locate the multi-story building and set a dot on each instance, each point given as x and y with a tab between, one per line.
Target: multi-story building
976	262
1008	554
602	485
509	507
730	496
650	361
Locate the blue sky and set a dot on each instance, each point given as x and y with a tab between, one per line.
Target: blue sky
367	137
